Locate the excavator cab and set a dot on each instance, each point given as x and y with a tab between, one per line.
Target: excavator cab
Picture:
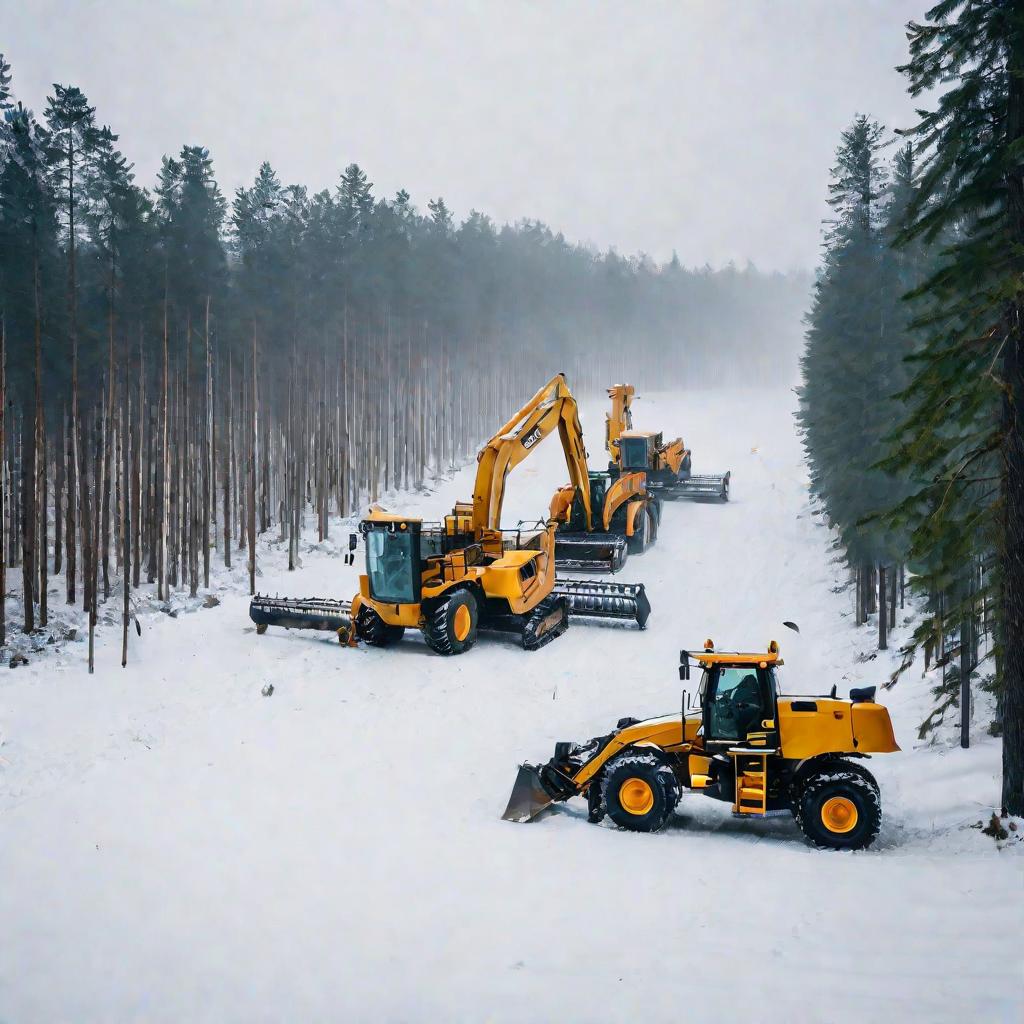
393	561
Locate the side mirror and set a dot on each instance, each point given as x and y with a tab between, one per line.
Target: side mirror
684	665
350	558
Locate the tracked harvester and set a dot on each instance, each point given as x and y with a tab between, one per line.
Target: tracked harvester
743	743
668	465
464	574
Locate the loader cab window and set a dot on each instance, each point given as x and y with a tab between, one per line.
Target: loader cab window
634	452
392	564
736	699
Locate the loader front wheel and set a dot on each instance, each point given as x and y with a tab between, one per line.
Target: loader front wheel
838	808
637	544
639	791
450	622
372	629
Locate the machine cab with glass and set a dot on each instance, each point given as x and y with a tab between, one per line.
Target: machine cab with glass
738	698
393	558
738	702
637	450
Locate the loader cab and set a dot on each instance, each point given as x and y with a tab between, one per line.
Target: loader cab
738	704
393	561
635	451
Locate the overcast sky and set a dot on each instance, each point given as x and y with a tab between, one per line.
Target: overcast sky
703	126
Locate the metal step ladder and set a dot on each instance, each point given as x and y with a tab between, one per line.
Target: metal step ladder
751	768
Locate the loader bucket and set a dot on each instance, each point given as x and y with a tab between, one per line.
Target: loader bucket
528	797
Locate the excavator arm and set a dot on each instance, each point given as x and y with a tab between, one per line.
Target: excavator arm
619	419
552	407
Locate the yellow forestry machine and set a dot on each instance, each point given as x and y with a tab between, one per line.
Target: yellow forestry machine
743	743
667	464
602	517
451	579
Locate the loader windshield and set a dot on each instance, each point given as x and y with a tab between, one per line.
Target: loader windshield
736	706
634	452
392	564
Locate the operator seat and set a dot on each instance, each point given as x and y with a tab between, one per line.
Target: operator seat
746	702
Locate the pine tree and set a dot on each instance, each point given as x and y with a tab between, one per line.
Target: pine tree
964	437
71	145
852	365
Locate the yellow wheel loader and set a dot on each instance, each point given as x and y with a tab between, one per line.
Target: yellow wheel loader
743	743
668	465
453	578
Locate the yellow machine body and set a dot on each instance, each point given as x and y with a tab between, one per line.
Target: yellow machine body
619	425
801	729
499	574
745	744
623	491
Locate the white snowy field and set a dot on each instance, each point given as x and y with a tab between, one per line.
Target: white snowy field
176	847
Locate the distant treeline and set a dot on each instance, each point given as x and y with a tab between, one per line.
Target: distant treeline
912	402
184	372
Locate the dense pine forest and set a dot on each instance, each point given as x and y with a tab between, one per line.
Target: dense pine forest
913	372
184	372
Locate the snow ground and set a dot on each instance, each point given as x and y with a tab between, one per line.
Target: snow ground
174	846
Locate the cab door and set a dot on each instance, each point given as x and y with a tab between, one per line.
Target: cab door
739	706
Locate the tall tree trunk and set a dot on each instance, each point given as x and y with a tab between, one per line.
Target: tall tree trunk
1012	482
229	467
126	516
165	463
60	446
3	488
209	479
28	522
70	538
253	468
883	610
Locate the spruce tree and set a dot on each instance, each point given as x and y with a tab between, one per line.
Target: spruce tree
964	438
853	360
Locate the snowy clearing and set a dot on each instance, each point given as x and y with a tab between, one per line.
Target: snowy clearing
175	846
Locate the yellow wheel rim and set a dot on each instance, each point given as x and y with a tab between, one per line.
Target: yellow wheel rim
636	796
838	814
462	623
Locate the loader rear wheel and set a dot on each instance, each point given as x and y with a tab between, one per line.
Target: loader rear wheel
450	622
371	628
838	807
639	791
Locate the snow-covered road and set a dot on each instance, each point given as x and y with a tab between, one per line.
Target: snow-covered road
176	847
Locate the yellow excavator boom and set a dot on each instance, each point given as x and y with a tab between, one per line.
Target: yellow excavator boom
620	419
553	406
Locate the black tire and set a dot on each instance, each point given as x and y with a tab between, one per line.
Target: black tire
622	775
638	542
849	784
444	627
656	504
372	629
